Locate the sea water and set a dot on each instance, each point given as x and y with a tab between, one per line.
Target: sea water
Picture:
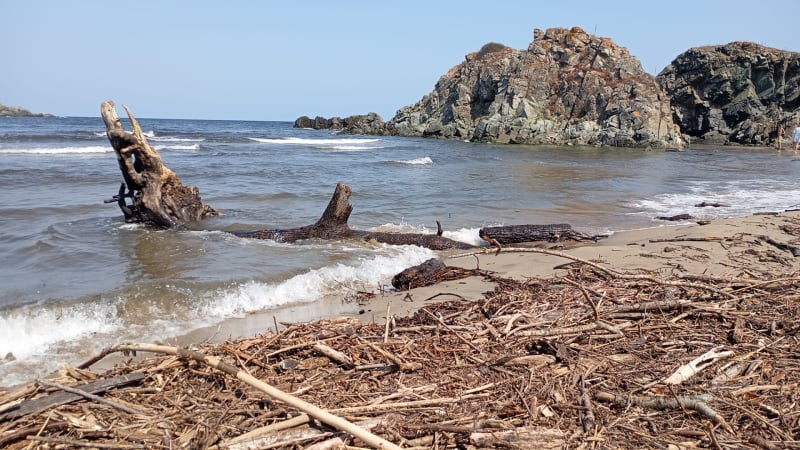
74	277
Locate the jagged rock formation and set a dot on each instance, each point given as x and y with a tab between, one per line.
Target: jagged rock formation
735	93
568	87
371	123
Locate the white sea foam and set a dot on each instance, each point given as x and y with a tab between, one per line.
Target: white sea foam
365	274
32	333
740	202
151	135
351	148
424	161
318	142
30	330
175	139
467	235
58	150
184	148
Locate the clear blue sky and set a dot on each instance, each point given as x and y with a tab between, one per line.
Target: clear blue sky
270	60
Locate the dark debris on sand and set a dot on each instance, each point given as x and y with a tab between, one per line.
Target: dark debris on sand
596	359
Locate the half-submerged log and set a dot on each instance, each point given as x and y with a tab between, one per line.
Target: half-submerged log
157	195
513	234
333	225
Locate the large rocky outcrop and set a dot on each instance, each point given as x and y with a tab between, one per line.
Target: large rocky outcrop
568	87
735	93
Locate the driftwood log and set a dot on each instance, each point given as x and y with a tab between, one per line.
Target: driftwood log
514	234
159	198
430	272
157	195
333	225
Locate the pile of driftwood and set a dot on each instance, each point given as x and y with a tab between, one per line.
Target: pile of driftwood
592	359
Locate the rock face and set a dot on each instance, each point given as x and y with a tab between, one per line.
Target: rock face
568	87
735	93
371	123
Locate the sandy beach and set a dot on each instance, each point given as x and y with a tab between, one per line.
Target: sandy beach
690	342
731	247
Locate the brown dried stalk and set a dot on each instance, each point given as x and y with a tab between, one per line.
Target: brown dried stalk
312	410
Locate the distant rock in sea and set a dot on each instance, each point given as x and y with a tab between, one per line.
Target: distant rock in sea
15	111
734	93
371	123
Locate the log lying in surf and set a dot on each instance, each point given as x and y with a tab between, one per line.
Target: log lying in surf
513	234
333	225
157	195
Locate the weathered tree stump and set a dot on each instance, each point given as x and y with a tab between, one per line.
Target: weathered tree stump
332	224
157	195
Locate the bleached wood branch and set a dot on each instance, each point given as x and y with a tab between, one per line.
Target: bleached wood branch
696	365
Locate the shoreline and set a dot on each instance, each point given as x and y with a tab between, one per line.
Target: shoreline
733	247
503	357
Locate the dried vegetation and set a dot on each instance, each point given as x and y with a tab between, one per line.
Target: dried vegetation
593	359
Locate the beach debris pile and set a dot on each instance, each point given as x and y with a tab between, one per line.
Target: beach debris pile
591	358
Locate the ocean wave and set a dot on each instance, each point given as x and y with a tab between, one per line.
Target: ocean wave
31	330
152	136
365	274
58	150
33	333
348	148
175	139
738	201
315	142
424	161
183	148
